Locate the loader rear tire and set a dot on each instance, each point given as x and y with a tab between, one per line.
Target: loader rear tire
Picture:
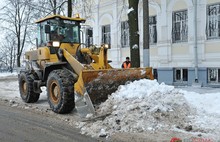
60	91
26	88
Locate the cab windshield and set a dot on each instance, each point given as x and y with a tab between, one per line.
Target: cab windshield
65	31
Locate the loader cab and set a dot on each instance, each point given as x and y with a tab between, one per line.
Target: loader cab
56	29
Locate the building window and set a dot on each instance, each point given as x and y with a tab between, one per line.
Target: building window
213	75
89	36
124	34
180	75
155	73
152	29
213	21
106	34
180	26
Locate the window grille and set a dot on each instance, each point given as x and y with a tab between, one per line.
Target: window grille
106	34
213	21
180	26
89	37
213	75
125	34
152	30
180	74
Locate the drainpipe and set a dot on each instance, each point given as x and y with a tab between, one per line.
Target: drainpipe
195	42
99	41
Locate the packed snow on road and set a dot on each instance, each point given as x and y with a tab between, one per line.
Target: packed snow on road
147	106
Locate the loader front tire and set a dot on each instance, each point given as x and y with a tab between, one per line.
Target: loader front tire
27	93
60	91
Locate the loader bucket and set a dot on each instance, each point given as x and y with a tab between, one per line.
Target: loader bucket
101	83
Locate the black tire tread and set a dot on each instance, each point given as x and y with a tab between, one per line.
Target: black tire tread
66	81
31	96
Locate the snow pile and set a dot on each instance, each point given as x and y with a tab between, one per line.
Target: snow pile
143	105
8	74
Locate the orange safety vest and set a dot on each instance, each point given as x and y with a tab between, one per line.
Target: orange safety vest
127	66
175	140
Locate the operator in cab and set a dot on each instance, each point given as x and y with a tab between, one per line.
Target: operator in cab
127	63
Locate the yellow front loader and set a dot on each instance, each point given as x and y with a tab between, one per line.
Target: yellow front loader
70	72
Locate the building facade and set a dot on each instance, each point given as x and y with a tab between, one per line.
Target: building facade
184	37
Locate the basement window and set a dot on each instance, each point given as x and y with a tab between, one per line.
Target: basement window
155	73
213	75
180	74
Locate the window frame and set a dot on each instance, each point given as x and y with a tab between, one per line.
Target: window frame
106	35
181	77
182	31
216	73
43	38
125	38
215	18
153	27
89	39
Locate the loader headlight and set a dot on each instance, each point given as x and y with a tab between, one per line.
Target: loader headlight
77	15
56	44
107	46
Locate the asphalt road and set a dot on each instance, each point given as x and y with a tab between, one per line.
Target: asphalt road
24	126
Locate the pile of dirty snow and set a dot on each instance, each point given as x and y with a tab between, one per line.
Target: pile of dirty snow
139	106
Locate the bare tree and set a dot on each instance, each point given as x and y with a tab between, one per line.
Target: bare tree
7	53
17	15
47	7
17	18
134	32
10	45
57	5
3	59
84	7
53	3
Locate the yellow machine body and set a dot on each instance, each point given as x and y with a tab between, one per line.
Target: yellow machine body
94	75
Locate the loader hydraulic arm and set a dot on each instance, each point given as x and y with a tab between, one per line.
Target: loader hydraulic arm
76	65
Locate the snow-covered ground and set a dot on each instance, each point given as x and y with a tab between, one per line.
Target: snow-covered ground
7	74
9	89
144	107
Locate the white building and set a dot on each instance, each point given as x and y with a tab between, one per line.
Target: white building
179	53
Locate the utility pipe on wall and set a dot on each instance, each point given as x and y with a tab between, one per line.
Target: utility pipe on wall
195	42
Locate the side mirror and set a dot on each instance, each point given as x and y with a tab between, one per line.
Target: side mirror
47	29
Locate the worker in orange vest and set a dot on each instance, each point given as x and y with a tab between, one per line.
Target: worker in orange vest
127	63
